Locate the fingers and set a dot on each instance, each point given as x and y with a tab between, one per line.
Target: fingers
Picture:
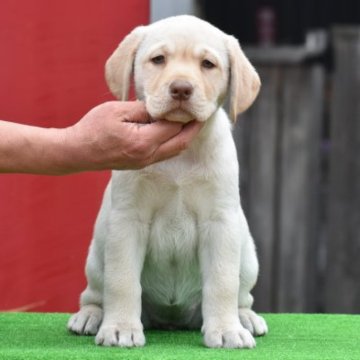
178	143
159	141
160	131
150	141
134	112
157	131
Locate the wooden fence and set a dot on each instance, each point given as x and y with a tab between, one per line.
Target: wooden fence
343	271
308	237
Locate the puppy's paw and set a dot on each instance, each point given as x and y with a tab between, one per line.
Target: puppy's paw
253	322
87	321
120	335
228	337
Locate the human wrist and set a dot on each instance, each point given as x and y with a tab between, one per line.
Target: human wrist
58	160
77	150
68	152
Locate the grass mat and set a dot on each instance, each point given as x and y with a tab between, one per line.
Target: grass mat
295	336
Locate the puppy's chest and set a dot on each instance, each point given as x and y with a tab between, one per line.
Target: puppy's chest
171	272
177	195
174	206
173	231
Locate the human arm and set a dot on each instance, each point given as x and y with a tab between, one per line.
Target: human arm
113	135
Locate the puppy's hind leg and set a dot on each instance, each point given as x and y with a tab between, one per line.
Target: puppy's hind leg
88	319
248	276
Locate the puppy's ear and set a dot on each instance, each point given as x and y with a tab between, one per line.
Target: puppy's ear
119	67
244	80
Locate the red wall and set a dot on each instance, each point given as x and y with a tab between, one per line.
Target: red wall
52	55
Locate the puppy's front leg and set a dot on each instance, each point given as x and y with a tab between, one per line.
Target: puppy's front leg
219	252
124	257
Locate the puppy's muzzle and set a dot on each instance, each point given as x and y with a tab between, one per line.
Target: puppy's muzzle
181	90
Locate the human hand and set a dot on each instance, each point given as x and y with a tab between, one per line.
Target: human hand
121	135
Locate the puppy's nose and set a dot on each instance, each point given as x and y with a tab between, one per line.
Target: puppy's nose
181	90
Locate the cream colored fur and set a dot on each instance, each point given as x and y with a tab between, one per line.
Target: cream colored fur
171	246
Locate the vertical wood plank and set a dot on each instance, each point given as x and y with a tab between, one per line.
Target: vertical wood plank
262	186
279	152
343	266
298	182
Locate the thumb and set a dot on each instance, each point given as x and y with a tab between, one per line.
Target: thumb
136	113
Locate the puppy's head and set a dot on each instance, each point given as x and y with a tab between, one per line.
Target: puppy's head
183	68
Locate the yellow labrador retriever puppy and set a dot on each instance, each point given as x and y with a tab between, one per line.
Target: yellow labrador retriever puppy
171	247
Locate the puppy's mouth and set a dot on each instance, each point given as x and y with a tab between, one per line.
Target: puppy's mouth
172	110
177	110
179	115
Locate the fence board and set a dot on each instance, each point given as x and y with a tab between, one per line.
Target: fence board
299	187
278	143
343	269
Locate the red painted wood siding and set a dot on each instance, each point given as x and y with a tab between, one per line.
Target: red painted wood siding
52	56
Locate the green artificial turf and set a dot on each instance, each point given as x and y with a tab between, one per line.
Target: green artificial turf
291	337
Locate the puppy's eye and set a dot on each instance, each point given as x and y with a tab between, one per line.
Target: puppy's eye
158	60
207	64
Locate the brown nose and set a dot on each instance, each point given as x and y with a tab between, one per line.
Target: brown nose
181	90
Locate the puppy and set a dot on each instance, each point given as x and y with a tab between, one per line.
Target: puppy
171	246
